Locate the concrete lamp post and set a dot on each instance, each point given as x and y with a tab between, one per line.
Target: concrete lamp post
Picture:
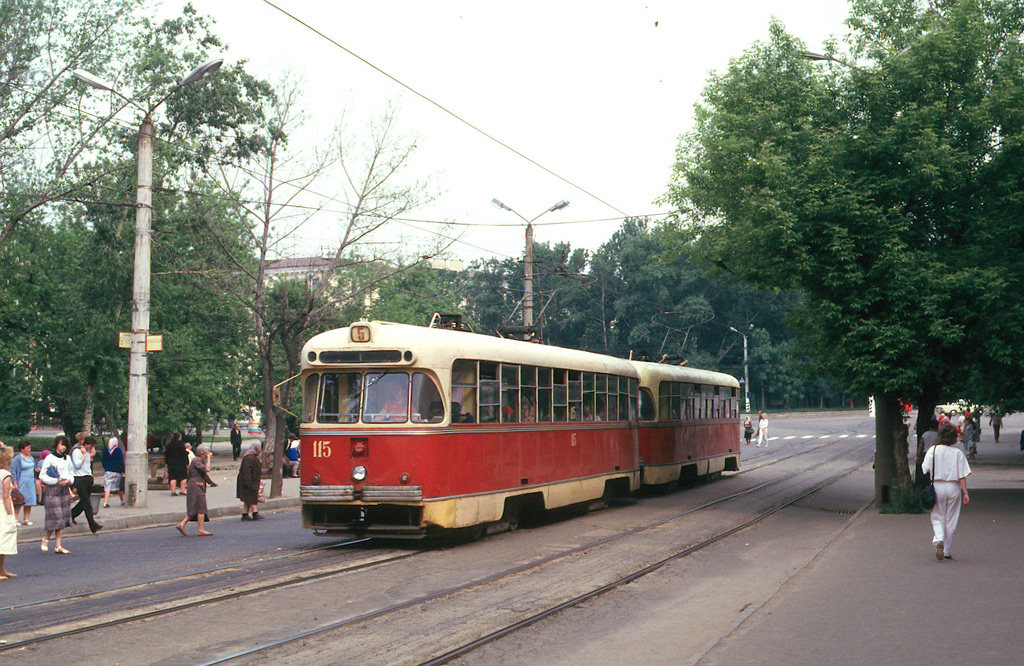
746	371
528	263
136	455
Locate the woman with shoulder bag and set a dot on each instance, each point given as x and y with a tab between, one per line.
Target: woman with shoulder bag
949	470
8	523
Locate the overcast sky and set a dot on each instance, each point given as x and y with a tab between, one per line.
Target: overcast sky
595	91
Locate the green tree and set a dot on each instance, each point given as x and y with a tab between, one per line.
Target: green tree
878	189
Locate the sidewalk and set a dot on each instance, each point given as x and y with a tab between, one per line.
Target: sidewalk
876	594
164	509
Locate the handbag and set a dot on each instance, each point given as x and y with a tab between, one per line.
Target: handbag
928	498
260	497
17	498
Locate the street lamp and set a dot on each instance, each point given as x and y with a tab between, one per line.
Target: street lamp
746	370
136	455
528	272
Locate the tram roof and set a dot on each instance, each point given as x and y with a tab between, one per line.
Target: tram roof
437	346
655	372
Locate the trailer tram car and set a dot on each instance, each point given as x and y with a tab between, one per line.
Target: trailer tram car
410	431
689	423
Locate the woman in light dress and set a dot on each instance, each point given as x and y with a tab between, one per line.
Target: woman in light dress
8	522
23	473
949	469
762	429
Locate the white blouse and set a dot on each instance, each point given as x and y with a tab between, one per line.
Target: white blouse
950	463
63	467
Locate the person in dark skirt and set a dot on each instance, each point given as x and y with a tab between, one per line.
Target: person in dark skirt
176	459
247	485
195	497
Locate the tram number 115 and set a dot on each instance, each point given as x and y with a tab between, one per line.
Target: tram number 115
322	448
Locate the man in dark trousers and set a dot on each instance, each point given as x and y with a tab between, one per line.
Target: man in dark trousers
236	441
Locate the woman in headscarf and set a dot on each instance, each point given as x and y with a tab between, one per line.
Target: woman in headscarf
176	459
195	496
8	521
56	474
113	471
247	486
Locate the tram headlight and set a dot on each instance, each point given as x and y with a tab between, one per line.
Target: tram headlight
358	472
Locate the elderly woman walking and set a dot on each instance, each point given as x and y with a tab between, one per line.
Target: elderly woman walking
195	494
56	474
8	522
247	485
949	469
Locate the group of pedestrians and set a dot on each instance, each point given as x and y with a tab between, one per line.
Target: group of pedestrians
762	429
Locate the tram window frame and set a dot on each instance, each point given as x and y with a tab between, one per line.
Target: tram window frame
464	385
588	396
647	411
310	393
624	399
489	392
612	404
434	412
509	411
575	402
545	395
351	416
528	393
559	395
382	409
689	401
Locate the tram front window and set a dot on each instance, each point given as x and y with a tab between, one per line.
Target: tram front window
339	393
386	398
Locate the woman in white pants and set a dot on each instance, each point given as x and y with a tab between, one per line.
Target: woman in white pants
949	469
762	429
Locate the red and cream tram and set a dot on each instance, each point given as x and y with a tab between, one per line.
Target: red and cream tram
689	423
408	431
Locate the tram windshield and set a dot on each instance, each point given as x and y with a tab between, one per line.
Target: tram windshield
377	397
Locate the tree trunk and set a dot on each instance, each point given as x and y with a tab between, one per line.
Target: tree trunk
885	408
87	417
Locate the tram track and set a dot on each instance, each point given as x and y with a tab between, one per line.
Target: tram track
30	642
272	650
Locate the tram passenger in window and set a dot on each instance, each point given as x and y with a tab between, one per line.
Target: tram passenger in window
395	410
588	413
529	412
600	413
459	417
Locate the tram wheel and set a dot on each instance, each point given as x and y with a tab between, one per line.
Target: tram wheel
512	517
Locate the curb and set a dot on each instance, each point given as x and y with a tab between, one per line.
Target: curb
36	532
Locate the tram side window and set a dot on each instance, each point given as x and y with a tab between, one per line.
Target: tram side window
623	399
588	396
544	397
689	401
464	391
427	406
528	380
613	397
309	392
646	405
490	393
575	395
385	397
339	397
600	397
509	393
634	390
560	394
